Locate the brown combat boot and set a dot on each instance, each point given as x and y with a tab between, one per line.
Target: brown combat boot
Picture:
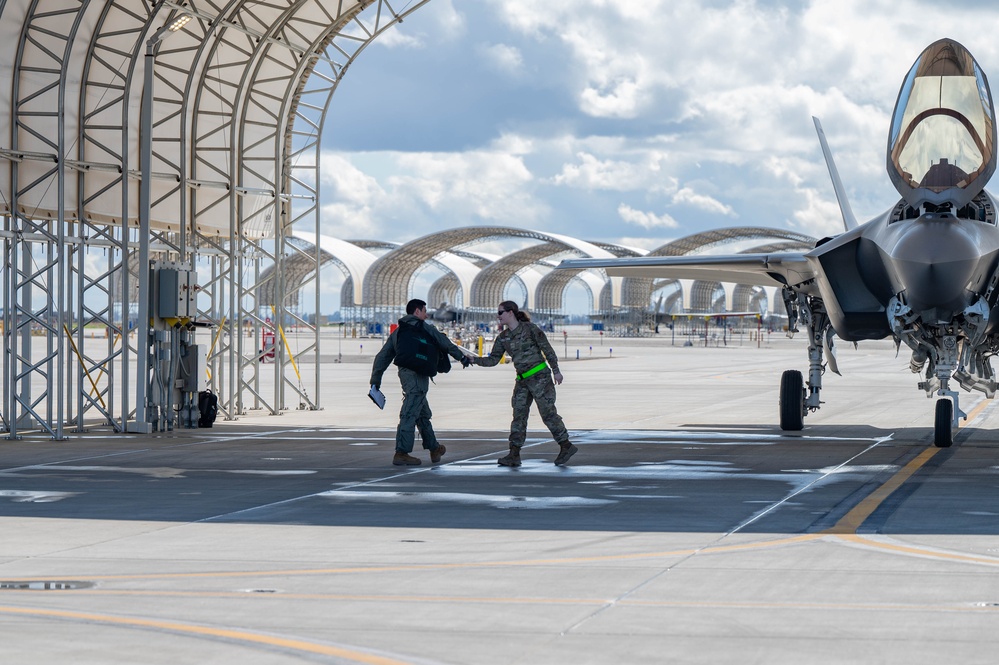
405	459
437	453
512	458
567	451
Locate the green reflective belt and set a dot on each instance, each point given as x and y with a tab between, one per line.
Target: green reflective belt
531	372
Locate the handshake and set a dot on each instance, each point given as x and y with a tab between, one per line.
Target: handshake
465	361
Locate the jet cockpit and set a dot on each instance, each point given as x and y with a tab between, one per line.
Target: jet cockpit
941	147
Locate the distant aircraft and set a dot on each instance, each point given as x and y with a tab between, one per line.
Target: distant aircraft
445	314
924	272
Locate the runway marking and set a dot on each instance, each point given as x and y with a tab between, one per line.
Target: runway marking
859	514
214	633
845	530
915	550
636	556
975	412
220	439
500	600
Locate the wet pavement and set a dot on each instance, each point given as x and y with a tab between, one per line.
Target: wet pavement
696	540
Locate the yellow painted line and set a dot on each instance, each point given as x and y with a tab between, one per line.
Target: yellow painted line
975	412
353	597
638	556
204	631
450	600
919	551
853	519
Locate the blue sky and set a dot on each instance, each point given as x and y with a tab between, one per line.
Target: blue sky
635	122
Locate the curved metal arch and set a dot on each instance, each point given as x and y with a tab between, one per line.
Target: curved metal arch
347	294
786	246
299	267
443	291
245	146
551	289
266	151
464	270
354	261
374	244
707	296
99	177
705	239
448	287
749	298
637	290
391	275
488	286
37	251
673	302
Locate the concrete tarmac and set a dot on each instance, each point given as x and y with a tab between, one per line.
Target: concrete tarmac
688	528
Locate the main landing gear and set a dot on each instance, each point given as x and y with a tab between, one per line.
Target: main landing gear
792	401
796	397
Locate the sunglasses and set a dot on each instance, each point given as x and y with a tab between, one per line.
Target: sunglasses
502	312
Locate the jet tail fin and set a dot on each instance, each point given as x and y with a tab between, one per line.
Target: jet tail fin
849	221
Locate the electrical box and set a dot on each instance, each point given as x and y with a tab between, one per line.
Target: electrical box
194	368
177	289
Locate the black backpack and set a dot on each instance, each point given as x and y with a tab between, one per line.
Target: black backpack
443	362
415	349
208	406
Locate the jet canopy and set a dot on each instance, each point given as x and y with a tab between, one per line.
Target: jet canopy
941	148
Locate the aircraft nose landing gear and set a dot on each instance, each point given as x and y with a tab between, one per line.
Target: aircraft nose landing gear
943	432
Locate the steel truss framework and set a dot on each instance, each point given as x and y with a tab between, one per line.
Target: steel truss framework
637	290
240	102
486	278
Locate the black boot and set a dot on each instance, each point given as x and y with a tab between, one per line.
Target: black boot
512	458
566	451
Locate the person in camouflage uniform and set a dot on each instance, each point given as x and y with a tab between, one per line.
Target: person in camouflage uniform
415	411
536	364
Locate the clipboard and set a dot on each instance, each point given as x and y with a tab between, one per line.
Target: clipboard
377	397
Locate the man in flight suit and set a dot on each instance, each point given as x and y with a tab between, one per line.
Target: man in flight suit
415	410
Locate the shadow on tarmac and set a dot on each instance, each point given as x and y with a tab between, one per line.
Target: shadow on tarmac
748	478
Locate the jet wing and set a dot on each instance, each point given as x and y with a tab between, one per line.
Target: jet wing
789	268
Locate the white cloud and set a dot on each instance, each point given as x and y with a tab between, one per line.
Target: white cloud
820	217
482	185
715	95
646	220
348	183
591	172
415	191
506	59
689	197
449	24
643	243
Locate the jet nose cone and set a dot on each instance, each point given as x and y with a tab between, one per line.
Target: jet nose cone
935	260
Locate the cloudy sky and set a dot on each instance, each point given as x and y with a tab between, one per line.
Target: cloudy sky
630	121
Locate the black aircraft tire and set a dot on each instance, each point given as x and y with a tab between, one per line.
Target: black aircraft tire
792	401
943	436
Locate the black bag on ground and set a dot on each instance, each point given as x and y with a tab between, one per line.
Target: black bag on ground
208	406
415	349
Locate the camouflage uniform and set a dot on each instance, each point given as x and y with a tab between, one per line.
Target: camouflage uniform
415	411
528	346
